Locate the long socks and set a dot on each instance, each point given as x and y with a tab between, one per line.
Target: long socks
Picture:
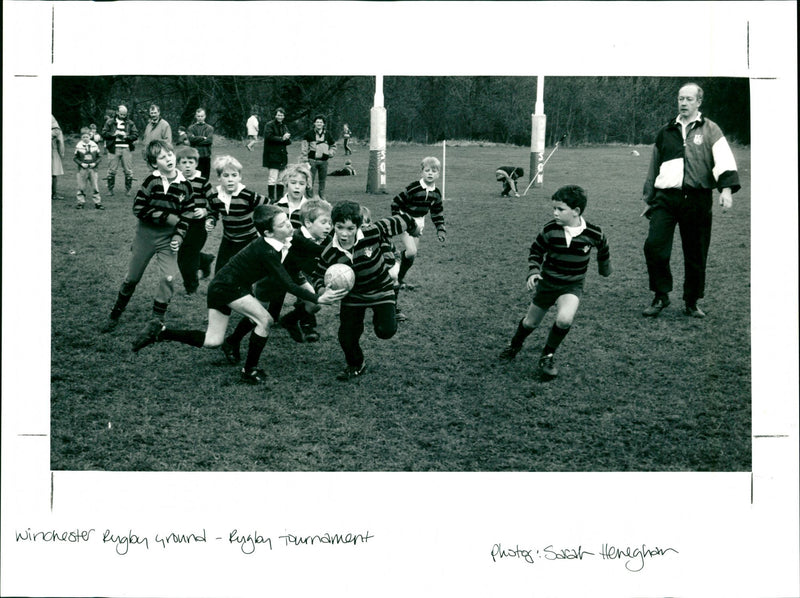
554	339
254	350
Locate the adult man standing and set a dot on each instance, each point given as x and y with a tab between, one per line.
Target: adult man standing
120	133
317	148
201	136
276	155
157	127
690	158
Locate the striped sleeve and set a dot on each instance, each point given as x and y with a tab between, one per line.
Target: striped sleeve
186	204
437	209
145	205
536	254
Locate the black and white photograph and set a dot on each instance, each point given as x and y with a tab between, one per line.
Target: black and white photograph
327	292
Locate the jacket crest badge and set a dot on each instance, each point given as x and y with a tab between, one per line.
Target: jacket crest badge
698	139
368	251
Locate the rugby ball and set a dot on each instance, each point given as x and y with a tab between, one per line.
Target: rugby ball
340	277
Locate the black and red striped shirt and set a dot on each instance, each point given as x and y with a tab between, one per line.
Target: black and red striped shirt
560	263
153	203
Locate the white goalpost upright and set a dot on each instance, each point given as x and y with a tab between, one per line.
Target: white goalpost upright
376	173
538	123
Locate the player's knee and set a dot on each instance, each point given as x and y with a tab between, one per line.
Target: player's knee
263	324
385	331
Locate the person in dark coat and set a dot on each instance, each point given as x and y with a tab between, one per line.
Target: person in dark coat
276	141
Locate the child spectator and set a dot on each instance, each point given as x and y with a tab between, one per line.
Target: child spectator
306	246
183	137
252	129
418	199
346	170
120	133
363	248
201	136
317	148
346	139
163	206
191	260
508	175
230	291
297	182
557	265
276	155
87	155
94	135
234	203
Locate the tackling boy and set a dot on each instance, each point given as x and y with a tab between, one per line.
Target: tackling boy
230	291
163	206
557	265
366	249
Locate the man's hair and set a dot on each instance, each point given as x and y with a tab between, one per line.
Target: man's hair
347	210
153	149
312	210
295	169
201	109
187	151
153	106
573	196
85	131
264	218
280	109
319	117
430	161
699	89
222	162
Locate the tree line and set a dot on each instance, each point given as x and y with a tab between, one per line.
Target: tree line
590	110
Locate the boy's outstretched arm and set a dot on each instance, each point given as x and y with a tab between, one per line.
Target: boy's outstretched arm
604	257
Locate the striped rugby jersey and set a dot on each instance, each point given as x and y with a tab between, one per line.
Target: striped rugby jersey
374	284
237	219
202	190
153	204
558	263
417	201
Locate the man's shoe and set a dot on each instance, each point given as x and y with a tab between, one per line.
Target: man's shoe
254	376
694	311
99	206
148	336
231	351
659	303
79	206
547	367
110	324
510	352
348	373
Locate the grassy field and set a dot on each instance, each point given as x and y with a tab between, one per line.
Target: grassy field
634	394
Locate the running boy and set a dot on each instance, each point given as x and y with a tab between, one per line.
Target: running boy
191	259
234	203
557	265
163	206
508	175
418	199
87	155
362	248
230	290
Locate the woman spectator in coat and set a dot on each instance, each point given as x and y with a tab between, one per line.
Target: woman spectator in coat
276	156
